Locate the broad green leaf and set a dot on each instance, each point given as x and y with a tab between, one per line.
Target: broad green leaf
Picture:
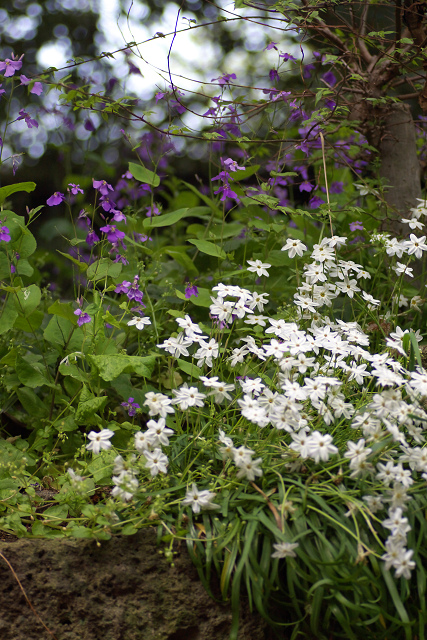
202	300
27	299
144	175
103	268
189	368
4	266
209	248
64	310
86	410
179	254
111	366
73	371
5	192
23	268
244	173
29	323
61	332
8	316
57	512
29	375
32	404
168	219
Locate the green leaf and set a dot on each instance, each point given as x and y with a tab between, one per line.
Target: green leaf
81	265
29	323
103	268
32	404
29	375
5	192
168	219
86	410
23	268
180	256
241	174
111	366
202	300
27	299
189	368
61	332
73	371
144	175
64	310
209	248
8	317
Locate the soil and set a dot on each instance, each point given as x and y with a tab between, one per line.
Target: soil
121	590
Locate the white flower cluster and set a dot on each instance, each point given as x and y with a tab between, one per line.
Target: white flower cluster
242	457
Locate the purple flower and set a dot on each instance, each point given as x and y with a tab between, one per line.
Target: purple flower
10	66
178	106
74	188
130	289
270	46
118	216
315	202
225	79
102	186
306	186
357	225
160	95
30	122
57	198
88	125
91	238
231	165
273	75
152	211
4	234
337	187
307	70
83	318
131	406
113	234
287	56
191	290
227	192
37	88
329	78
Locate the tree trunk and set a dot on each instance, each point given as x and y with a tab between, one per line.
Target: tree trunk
400	167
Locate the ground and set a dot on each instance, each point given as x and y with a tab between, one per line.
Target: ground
122	590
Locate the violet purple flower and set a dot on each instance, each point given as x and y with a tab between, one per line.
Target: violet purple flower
4	234
357	225
225	79
29	121
55	199
10	66
91	238
102	186
83	318
131	406
75	189
113	234
191	290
